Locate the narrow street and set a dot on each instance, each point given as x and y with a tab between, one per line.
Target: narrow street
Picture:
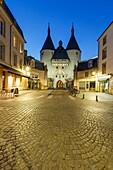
51	130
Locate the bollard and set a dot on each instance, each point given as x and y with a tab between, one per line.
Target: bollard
96	98
83	96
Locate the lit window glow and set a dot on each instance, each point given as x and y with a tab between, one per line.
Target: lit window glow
10	81
28	73
17	82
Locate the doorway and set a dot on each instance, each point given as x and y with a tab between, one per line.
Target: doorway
59	84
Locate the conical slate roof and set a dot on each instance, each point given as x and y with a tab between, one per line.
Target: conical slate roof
60	52
48	44
72	44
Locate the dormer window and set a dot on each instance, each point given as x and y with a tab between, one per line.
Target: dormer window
90	63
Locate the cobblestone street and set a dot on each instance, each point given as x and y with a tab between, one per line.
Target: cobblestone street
51	130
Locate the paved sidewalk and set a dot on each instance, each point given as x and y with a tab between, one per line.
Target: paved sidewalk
9	96
55	132
24	92
92	96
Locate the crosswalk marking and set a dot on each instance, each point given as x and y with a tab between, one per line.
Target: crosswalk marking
50	97
72	98
40	96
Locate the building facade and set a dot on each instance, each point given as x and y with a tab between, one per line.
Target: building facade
38	72
60	61
86	75
12	73
105	60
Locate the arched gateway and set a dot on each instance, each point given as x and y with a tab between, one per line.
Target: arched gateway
59	84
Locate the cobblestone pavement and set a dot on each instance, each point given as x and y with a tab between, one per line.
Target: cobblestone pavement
55	132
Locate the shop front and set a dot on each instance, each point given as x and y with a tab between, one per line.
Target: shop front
103	83
11	78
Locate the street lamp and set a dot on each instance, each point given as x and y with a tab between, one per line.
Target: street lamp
93	73
27	68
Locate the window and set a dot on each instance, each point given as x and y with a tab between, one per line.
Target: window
20	63
56	75
56	67
21	48
104	53
86	74
87	85
36	76
62	75
2	27
15	60
2	52
82	85
42	53
15	41
76	53
104	68
92	84
90	63
104	40
33	76
62	67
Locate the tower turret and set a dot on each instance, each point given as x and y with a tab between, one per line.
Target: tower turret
48	44
72	44
73	51
47	52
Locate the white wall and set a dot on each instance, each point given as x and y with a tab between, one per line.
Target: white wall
67	71
46	56
74	59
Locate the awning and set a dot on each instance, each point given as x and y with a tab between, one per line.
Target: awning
103	78
13	71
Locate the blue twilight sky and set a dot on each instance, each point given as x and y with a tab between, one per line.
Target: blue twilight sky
90	18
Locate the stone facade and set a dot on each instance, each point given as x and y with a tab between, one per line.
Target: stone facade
86	75
12	41
60	62
105	52
38	73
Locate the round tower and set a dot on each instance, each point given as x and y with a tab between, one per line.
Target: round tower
74	53
73	49
47	52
